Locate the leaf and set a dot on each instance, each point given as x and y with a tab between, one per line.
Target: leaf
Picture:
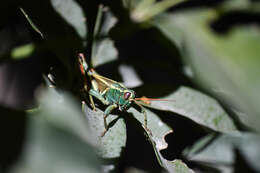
134	170
146	9
157	127
111	144
61	110
72	14
31	22
109	20
219	152
175	166
130	77
198	107
225	65
50	149
156	132
22	51
248	145
103	50
243	5
180	167
212	149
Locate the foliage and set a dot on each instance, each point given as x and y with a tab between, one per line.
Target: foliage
202	57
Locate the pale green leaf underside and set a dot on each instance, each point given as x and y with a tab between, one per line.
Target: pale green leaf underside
73	14
226	65
156	135
110	145
198	107
50	149
220	152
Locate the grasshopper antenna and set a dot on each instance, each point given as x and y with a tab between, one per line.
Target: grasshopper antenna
148	100
152	99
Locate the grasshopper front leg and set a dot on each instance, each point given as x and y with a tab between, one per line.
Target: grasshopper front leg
108	110
99	96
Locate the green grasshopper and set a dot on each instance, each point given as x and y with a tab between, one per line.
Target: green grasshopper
109	92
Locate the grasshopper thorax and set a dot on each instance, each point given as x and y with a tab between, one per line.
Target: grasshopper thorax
120	95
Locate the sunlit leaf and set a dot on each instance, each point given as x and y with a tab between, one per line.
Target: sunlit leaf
212	149
103	49
156	126
105	52
179	167
112	143
73	14
219	151
198	107
225	65
147	9
156	132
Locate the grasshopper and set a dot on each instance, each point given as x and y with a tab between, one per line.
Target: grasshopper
111	93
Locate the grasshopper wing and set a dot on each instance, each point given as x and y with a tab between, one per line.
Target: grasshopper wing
103	82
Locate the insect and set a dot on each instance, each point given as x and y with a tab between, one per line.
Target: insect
111	93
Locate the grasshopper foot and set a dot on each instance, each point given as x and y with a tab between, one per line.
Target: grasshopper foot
103	134
148	131
94	109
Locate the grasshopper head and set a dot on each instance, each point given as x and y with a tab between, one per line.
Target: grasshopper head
128	97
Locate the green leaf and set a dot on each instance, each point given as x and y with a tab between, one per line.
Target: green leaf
248	145
180	167
245	5
219	151
156	126
129	76
134	170
225	65
62	110
198	107
147	9
103	50
212	149
50	149
35	28
111	144
22	51
156	132
175	166
72	14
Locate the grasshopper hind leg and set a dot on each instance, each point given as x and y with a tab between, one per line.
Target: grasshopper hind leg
92	102
145	122
145	119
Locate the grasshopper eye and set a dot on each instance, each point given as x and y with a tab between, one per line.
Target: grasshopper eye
127	95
